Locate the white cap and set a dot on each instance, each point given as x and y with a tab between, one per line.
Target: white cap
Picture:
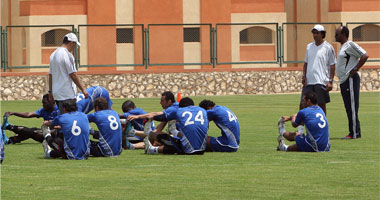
72	38
319	28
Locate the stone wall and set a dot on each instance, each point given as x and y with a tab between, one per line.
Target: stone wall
140	85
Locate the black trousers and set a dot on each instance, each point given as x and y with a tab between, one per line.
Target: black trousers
24	133
350	93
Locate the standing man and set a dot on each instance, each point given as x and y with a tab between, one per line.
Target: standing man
351	58
63	78
316	125
319	67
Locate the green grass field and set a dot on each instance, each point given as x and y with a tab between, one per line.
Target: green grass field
257	171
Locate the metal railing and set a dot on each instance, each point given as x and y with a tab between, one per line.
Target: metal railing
31	46
183	44
296	36
127	46
367	35
120	45
246	47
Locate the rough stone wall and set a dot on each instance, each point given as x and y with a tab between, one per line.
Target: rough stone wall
189	84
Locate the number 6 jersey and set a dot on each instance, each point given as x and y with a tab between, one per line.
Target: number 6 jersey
76	133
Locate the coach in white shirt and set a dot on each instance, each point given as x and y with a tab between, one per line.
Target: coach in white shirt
63	78
319	67
351	57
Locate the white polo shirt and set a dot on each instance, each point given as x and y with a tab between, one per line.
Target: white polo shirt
319	59
62	64
348	57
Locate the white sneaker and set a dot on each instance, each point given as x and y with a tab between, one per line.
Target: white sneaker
147	144
147	127
123	121
45	131
281	126
281	144
47	149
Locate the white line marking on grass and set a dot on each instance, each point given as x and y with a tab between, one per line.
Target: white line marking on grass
338	162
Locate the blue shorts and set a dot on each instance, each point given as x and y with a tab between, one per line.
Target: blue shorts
305	146
216	147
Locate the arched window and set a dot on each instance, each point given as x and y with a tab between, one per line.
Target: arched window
368	32
256	35
53	37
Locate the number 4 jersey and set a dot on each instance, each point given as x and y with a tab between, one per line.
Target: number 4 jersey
76	133
316	125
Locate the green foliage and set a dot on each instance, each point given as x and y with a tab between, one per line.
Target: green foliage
257	171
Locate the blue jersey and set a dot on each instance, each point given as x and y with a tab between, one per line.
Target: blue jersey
192	122
1	146
171	109
109	126
228	123
47	115
137	124
86	105
76	133
316	125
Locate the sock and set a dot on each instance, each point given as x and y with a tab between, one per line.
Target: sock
281	128
131	146
301	129
174	132
153	150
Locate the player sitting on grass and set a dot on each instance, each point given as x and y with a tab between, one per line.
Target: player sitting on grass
108	123
72	141
87	105
316	126
48	112
192	123
134	130
227	122
169	105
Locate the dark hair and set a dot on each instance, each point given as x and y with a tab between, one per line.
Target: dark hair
168	96
101	103
187	101
70	105
205	104
46	96
323	34
345	31
128	105
66	40
312	96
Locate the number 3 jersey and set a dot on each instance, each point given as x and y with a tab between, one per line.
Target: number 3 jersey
76	133
228	123
109	126
192	122
316	126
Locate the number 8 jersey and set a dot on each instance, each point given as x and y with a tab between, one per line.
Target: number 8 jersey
316	125
76	133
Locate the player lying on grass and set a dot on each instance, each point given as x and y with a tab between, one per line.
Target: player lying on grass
227	122
192	123
316	126
169	105
48	112
72	140
87	105
108	123
134	130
